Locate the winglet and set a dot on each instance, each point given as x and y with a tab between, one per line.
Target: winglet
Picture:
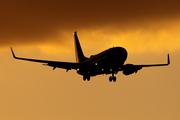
13	53
168	60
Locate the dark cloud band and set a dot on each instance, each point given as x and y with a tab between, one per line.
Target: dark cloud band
34	21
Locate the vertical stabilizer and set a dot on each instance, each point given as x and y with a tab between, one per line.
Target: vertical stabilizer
79	53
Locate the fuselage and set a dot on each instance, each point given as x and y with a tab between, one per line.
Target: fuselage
104	62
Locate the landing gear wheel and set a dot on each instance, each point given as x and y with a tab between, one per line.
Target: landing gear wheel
84	78
88	78
110	79
114	79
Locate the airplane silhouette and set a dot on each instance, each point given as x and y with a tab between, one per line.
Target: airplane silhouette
110	61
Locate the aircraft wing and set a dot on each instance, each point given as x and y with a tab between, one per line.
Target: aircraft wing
130	68
54	64
153	65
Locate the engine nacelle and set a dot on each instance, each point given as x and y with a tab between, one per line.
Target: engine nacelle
130	69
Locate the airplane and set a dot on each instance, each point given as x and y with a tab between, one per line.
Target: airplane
110	61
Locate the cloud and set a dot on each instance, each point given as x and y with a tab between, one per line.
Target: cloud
39	22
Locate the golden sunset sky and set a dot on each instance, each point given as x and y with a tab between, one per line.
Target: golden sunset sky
43	29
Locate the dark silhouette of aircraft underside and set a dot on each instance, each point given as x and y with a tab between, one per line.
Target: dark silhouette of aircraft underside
110	61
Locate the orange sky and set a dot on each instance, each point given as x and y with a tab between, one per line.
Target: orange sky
149	30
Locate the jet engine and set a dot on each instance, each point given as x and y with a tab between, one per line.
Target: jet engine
130	69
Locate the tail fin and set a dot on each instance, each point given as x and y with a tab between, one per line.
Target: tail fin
79	53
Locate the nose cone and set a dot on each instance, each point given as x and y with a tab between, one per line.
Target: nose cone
119	54
119	51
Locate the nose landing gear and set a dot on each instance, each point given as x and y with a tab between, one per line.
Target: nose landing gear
112	78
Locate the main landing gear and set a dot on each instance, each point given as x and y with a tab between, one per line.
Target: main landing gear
86	77
112	78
